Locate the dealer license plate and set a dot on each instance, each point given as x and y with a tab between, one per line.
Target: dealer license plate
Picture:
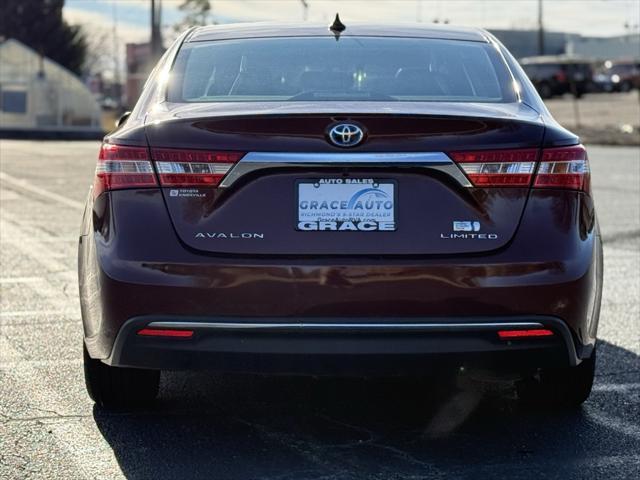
346	204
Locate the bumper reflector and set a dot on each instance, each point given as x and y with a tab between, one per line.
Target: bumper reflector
538	332
156	332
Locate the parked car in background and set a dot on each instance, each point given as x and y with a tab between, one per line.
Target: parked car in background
621	76
601	79
554	75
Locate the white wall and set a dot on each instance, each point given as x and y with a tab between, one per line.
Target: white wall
56	98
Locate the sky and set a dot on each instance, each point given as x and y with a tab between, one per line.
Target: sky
586	17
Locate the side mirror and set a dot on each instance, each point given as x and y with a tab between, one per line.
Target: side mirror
123	118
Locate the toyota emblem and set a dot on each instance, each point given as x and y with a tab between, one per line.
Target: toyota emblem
346	135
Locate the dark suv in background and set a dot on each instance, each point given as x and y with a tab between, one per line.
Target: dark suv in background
620	76
557	75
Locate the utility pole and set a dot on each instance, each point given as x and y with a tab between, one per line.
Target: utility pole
540	29
156	34
117	85
305	10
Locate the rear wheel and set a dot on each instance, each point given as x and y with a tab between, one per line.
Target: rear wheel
545	90
115	387
561	387
626	86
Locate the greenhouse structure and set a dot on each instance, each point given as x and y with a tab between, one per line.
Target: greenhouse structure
39	96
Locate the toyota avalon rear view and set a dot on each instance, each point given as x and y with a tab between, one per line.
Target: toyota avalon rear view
360	200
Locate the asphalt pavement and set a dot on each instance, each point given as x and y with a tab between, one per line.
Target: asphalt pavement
245	427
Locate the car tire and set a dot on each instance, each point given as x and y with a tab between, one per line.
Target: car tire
545	90
119	388
625	87
567	387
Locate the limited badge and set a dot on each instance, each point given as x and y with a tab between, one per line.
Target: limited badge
467	230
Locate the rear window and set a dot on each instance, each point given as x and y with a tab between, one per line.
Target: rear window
621	69
350	69
542	69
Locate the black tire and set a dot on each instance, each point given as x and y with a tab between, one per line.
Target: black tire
563	387
545	90
626	86
119	388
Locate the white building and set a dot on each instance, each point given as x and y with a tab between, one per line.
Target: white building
625	47
37	94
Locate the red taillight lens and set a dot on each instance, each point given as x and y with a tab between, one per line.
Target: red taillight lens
498	168
566	167
538	332
122	166
561	77
193	167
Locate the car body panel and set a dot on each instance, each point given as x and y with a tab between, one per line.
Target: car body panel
139	261
426	207
548	269
273	29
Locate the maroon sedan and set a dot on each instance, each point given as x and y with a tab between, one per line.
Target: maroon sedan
359	200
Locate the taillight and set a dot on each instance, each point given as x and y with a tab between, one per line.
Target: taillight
498	168
122	166
565	167
178	167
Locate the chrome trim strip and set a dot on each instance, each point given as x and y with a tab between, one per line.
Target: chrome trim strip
348	158
254	161
307	326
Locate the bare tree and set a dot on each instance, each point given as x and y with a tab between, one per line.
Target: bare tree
197	12
39	24
100	55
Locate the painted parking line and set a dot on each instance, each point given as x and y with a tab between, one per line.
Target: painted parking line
35	313
70	422
10	280
13	234
616	387
39	191
30	364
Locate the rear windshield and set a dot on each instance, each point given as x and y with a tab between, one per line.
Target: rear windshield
350	69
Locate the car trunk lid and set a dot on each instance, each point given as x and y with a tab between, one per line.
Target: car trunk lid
273	160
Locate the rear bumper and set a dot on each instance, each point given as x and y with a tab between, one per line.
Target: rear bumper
337	346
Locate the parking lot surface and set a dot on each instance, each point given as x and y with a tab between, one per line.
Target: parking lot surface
597	110
244	427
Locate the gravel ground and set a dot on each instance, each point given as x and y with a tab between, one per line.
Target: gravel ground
237	427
